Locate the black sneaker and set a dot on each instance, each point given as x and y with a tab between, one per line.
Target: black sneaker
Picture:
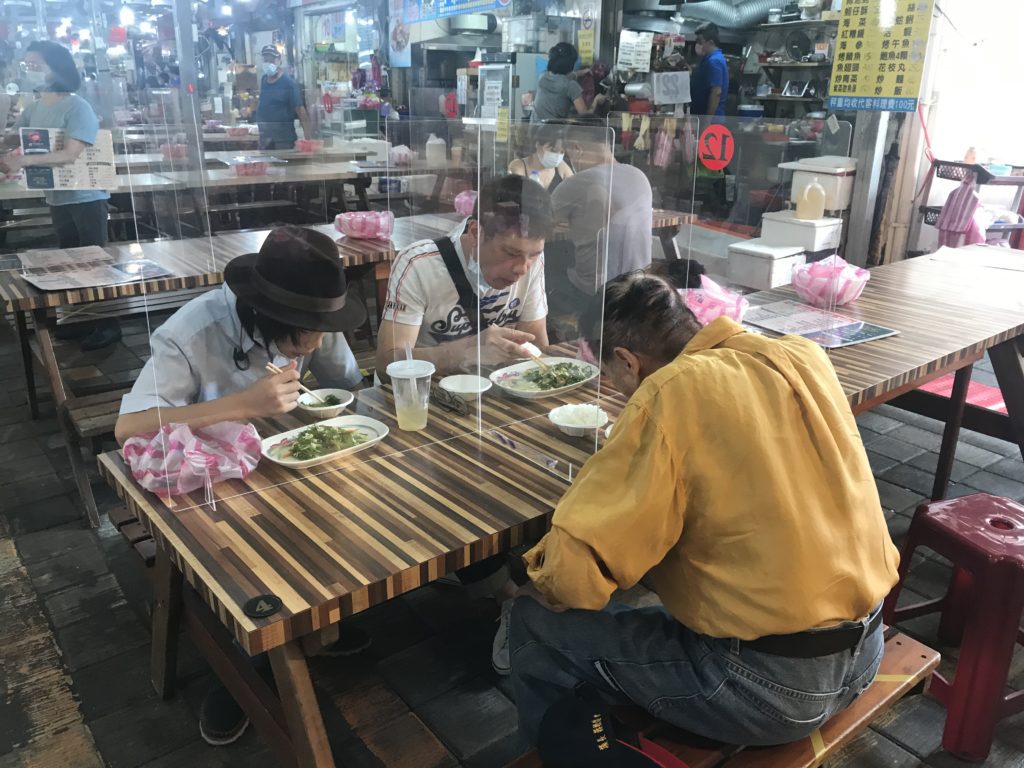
351	640
221	720
105	334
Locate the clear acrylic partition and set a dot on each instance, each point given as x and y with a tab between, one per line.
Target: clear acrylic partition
740	179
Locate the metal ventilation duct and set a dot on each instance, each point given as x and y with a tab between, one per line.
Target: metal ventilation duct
726	14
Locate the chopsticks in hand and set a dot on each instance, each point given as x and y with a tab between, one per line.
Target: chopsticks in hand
274	369
535	353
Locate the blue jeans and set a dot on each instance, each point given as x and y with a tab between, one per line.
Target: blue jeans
716	688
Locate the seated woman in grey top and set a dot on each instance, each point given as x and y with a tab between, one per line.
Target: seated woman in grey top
558	93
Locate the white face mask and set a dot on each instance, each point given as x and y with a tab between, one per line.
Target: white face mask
32	79
552	159
476	276
269	69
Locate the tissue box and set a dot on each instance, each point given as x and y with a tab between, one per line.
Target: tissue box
781	228
754	264
75	176
35	141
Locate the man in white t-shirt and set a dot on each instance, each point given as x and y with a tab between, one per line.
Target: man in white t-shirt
478	294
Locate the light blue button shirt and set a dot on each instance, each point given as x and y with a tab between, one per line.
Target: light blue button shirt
193	358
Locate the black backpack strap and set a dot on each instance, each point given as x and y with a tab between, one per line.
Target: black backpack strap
467	296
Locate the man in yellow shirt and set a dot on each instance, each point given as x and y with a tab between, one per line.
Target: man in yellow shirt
735	480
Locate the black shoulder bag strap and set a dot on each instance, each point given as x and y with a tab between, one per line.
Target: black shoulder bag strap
467	296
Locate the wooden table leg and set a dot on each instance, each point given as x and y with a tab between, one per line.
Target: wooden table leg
166	622
362	185
667	236
951	433
49	361
26	359
301	711
1008	364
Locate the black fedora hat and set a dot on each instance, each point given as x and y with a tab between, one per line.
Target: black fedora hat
297	279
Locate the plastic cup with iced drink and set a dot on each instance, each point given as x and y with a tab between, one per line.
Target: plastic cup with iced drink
410	381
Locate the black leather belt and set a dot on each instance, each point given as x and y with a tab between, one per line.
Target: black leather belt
811	645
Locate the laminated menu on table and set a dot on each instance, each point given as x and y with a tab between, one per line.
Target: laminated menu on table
88	267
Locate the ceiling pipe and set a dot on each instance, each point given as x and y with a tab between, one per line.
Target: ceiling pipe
725	14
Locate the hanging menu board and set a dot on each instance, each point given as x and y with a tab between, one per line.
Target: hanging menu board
879	55
635	50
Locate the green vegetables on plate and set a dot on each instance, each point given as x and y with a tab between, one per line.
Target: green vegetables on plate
553	377
317	441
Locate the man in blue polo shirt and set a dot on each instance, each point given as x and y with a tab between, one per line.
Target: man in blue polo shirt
280	103
710	82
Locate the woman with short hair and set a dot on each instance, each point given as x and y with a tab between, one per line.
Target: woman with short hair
558	93
547	164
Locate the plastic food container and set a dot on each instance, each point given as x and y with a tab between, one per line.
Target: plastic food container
309	145
258	168
835	174
366	225
782	228
238	131
174	151
756	265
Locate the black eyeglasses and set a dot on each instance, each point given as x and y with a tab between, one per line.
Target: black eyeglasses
449	401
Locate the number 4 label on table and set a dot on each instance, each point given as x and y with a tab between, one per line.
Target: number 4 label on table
716	147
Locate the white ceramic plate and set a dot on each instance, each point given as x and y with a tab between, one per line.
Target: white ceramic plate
308	404
503	377
374	430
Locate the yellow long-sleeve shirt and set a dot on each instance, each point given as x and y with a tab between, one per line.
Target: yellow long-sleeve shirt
736	476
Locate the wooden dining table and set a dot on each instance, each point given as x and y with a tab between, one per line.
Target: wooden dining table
315	546
193	263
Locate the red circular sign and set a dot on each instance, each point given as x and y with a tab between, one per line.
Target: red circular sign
716	147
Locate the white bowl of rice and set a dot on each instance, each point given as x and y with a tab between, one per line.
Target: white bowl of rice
578	420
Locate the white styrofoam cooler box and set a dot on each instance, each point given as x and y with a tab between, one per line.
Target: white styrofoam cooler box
781	228
835	174
754	264
375	149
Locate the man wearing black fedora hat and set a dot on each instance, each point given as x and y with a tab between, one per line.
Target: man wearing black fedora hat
285	305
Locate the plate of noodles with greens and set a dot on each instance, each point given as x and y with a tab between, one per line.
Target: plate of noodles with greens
323	442
532	381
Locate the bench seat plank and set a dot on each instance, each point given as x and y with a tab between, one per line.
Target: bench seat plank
906	665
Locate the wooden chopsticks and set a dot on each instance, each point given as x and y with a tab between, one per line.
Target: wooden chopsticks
274	369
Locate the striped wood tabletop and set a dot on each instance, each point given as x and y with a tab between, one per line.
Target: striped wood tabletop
199	262
334	540
947	314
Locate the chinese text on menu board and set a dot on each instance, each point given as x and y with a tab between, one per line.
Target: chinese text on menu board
879	56
427	10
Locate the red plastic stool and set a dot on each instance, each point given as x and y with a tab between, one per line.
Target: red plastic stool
983	536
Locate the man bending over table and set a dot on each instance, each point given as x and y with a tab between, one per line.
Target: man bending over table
481	285
735	480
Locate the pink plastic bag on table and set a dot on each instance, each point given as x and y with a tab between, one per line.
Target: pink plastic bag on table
366	225
465	202
178	460
401	155
830	282
711	301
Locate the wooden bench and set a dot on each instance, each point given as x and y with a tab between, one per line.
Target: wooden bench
94	415
905	669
